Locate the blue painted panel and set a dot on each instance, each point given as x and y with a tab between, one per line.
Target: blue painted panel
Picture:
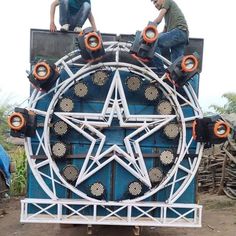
113	176
5	164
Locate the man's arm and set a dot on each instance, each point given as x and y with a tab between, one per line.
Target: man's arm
54	4
92	21
160	16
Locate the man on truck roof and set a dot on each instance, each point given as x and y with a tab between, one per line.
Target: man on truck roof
175	34
73	14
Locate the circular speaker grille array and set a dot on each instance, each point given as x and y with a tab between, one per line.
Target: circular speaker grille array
59	150
97	189
133	83
99	78
155	175
60	128
171	130
164	108
70	173
66	104
135	189
167	157
151	93
81	89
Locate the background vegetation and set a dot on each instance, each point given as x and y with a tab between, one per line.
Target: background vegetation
19	178
229	107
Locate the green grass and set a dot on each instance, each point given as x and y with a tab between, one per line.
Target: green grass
19	178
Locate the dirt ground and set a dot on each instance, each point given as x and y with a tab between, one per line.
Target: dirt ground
219	218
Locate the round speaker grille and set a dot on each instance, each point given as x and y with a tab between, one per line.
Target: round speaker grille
70	173
97	189
155	175
66	104
81	89
171	130
167	157
164	108
133	83
60	128
59	150
135	188
99	78
151	93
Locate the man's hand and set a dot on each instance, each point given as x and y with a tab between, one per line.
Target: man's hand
53	27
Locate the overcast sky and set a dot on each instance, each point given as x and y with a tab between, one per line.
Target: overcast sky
214	21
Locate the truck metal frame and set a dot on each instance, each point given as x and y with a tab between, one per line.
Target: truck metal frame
175	211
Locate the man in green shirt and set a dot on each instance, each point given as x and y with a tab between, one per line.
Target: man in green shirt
73	14
175	34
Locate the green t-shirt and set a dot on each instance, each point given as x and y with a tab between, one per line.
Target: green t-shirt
174	18
75	5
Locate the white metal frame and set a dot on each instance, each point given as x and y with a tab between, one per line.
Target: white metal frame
136	214
115	106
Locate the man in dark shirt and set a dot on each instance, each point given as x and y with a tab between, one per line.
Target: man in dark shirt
175	34
73	14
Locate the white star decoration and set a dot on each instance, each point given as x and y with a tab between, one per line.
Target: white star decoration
90	124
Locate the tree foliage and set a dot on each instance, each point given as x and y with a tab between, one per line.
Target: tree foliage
230	105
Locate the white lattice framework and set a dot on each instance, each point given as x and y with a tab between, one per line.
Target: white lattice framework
89	125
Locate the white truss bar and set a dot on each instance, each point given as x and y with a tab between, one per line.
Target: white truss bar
181	216
144	179
38	97
146	214
48	177
185	169
122	94
35	94
112	213
39	112
43	210
192	97
67	69
32	96
53	180
106	208
113	149
173	183
41	164
74	212
183	98
112	217
75	54
108	99
191	164
117	53
163	59
85	116
187	146
87	174
151	131
111	47
45	162
189	178
41	144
